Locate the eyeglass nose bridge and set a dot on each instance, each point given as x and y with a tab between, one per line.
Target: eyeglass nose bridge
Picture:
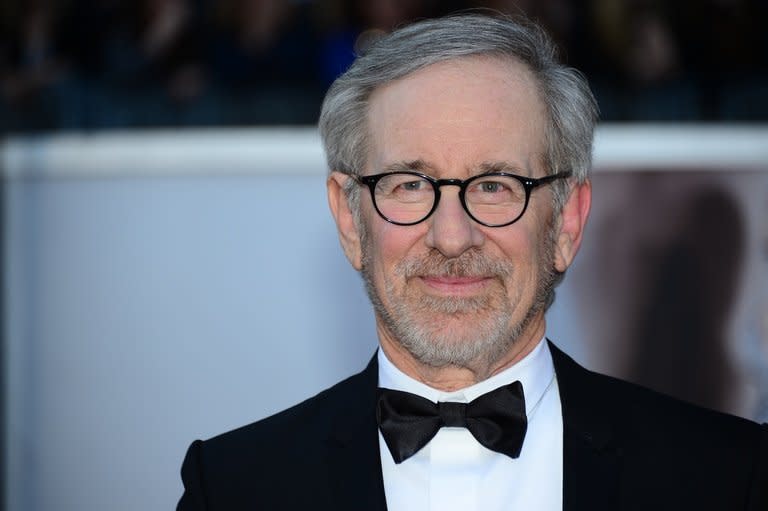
461	183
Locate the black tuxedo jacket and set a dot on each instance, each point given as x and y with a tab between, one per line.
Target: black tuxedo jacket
625	448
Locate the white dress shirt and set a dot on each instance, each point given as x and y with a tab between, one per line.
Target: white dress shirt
454	472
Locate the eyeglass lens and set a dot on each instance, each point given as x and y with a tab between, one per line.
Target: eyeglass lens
408	198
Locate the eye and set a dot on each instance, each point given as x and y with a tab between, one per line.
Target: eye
490	187
404	187
412	186
495	190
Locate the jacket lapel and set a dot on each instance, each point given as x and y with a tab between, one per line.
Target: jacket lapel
354	465
591	455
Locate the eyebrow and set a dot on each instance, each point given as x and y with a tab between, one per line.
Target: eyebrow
406	166
423	167
502	166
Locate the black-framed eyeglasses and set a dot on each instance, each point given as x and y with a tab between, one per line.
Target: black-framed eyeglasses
495	199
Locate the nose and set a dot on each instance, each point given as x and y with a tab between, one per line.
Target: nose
451	230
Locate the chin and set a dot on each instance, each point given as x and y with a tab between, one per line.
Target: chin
456	340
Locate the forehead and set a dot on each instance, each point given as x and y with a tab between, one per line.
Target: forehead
458	114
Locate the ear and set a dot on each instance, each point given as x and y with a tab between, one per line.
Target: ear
344	217
573	218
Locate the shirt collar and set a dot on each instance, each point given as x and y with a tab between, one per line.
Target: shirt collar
535	371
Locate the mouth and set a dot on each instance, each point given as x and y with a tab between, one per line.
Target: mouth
454	286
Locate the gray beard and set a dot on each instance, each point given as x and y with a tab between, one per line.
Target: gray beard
419	324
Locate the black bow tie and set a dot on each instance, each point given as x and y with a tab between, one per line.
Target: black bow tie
497	420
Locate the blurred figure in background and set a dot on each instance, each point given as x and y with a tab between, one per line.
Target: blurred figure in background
32	62
263	60
350	25
152	63
688	293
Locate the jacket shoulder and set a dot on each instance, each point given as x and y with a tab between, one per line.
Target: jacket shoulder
668	446
298	425
258	465
598	392
655	407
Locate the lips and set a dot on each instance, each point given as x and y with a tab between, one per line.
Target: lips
454	285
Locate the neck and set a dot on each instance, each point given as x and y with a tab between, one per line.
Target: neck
450	378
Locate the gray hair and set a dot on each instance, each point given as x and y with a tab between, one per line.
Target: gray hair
571	108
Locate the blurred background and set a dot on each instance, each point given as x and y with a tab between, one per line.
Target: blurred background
170	270
77	65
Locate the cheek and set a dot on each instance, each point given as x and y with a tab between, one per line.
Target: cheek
390	244
524	252
537	239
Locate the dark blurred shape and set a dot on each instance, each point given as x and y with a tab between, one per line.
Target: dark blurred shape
152	63
690	60
82	65
262	56
690	282
32	63
350	25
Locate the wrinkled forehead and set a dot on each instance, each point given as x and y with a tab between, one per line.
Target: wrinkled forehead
461	111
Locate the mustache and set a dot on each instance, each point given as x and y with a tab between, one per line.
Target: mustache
472	263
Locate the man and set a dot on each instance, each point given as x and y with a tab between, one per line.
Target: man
459	151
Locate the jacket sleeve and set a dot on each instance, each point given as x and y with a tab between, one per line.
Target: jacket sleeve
758	500
193	498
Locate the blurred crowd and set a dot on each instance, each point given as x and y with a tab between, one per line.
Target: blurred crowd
81	65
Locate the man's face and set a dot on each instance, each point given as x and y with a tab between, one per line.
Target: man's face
449	290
